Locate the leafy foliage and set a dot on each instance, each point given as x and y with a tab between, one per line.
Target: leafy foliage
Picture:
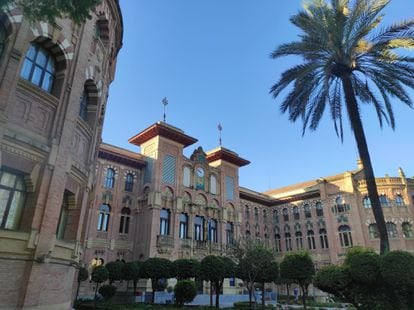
115	271
156	268
131	271
370	281
298	267
184	291
107	291
257	265
83	274
216	269
185	268
49	10
99	274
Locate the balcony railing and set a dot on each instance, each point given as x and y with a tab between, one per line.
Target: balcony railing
185	243
165	241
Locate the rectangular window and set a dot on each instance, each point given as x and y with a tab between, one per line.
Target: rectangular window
63	217
12	198
232	282
212	230
229	188
230	233
199	228
183	232
164	222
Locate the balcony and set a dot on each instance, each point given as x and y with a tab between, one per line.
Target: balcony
165	241
200	245
185	243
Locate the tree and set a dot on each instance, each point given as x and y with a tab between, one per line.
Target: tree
299	268
184	269
215	269
131	271
184	291
49	10
156	268
99	274
257	265
345	61
370	281
83	275
115	271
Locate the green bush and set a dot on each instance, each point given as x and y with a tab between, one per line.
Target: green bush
184	291
107	291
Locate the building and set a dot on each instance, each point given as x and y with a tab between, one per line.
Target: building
161	203
54	81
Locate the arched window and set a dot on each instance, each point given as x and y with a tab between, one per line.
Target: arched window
3	37
366	202
229	233
299	240
39	67
407	230
391	230
265	216
12	197
307	210
164	222
129	182
345	236
109	178
285	214
373	231
125	219
278	244
399	200
384	200
103	218
256	214
288	242
311	240
319	209
247	213
186	176
213	184
296	215
83	109
275	216
323	238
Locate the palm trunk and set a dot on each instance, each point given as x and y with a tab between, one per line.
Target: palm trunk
356	125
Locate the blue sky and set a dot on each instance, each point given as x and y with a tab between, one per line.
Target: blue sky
210	58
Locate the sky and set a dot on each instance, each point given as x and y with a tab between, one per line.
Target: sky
210	58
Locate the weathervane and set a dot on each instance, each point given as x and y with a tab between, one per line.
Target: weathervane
164	102
220	129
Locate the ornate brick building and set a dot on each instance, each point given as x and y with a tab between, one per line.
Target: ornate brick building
161	203
54	81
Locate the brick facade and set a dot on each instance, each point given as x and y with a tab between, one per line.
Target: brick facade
48	149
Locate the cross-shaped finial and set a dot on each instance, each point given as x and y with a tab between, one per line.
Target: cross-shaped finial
220	129
164	102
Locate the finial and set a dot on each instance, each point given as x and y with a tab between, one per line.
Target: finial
164	102
220	129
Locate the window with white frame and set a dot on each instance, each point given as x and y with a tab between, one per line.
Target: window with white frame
103	217
164	222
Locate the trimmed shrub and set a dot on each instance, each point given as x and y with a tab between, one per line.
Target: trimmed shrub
107	291
184	291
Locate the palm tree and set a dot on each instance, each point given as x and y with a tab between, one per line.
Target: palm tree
347	59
